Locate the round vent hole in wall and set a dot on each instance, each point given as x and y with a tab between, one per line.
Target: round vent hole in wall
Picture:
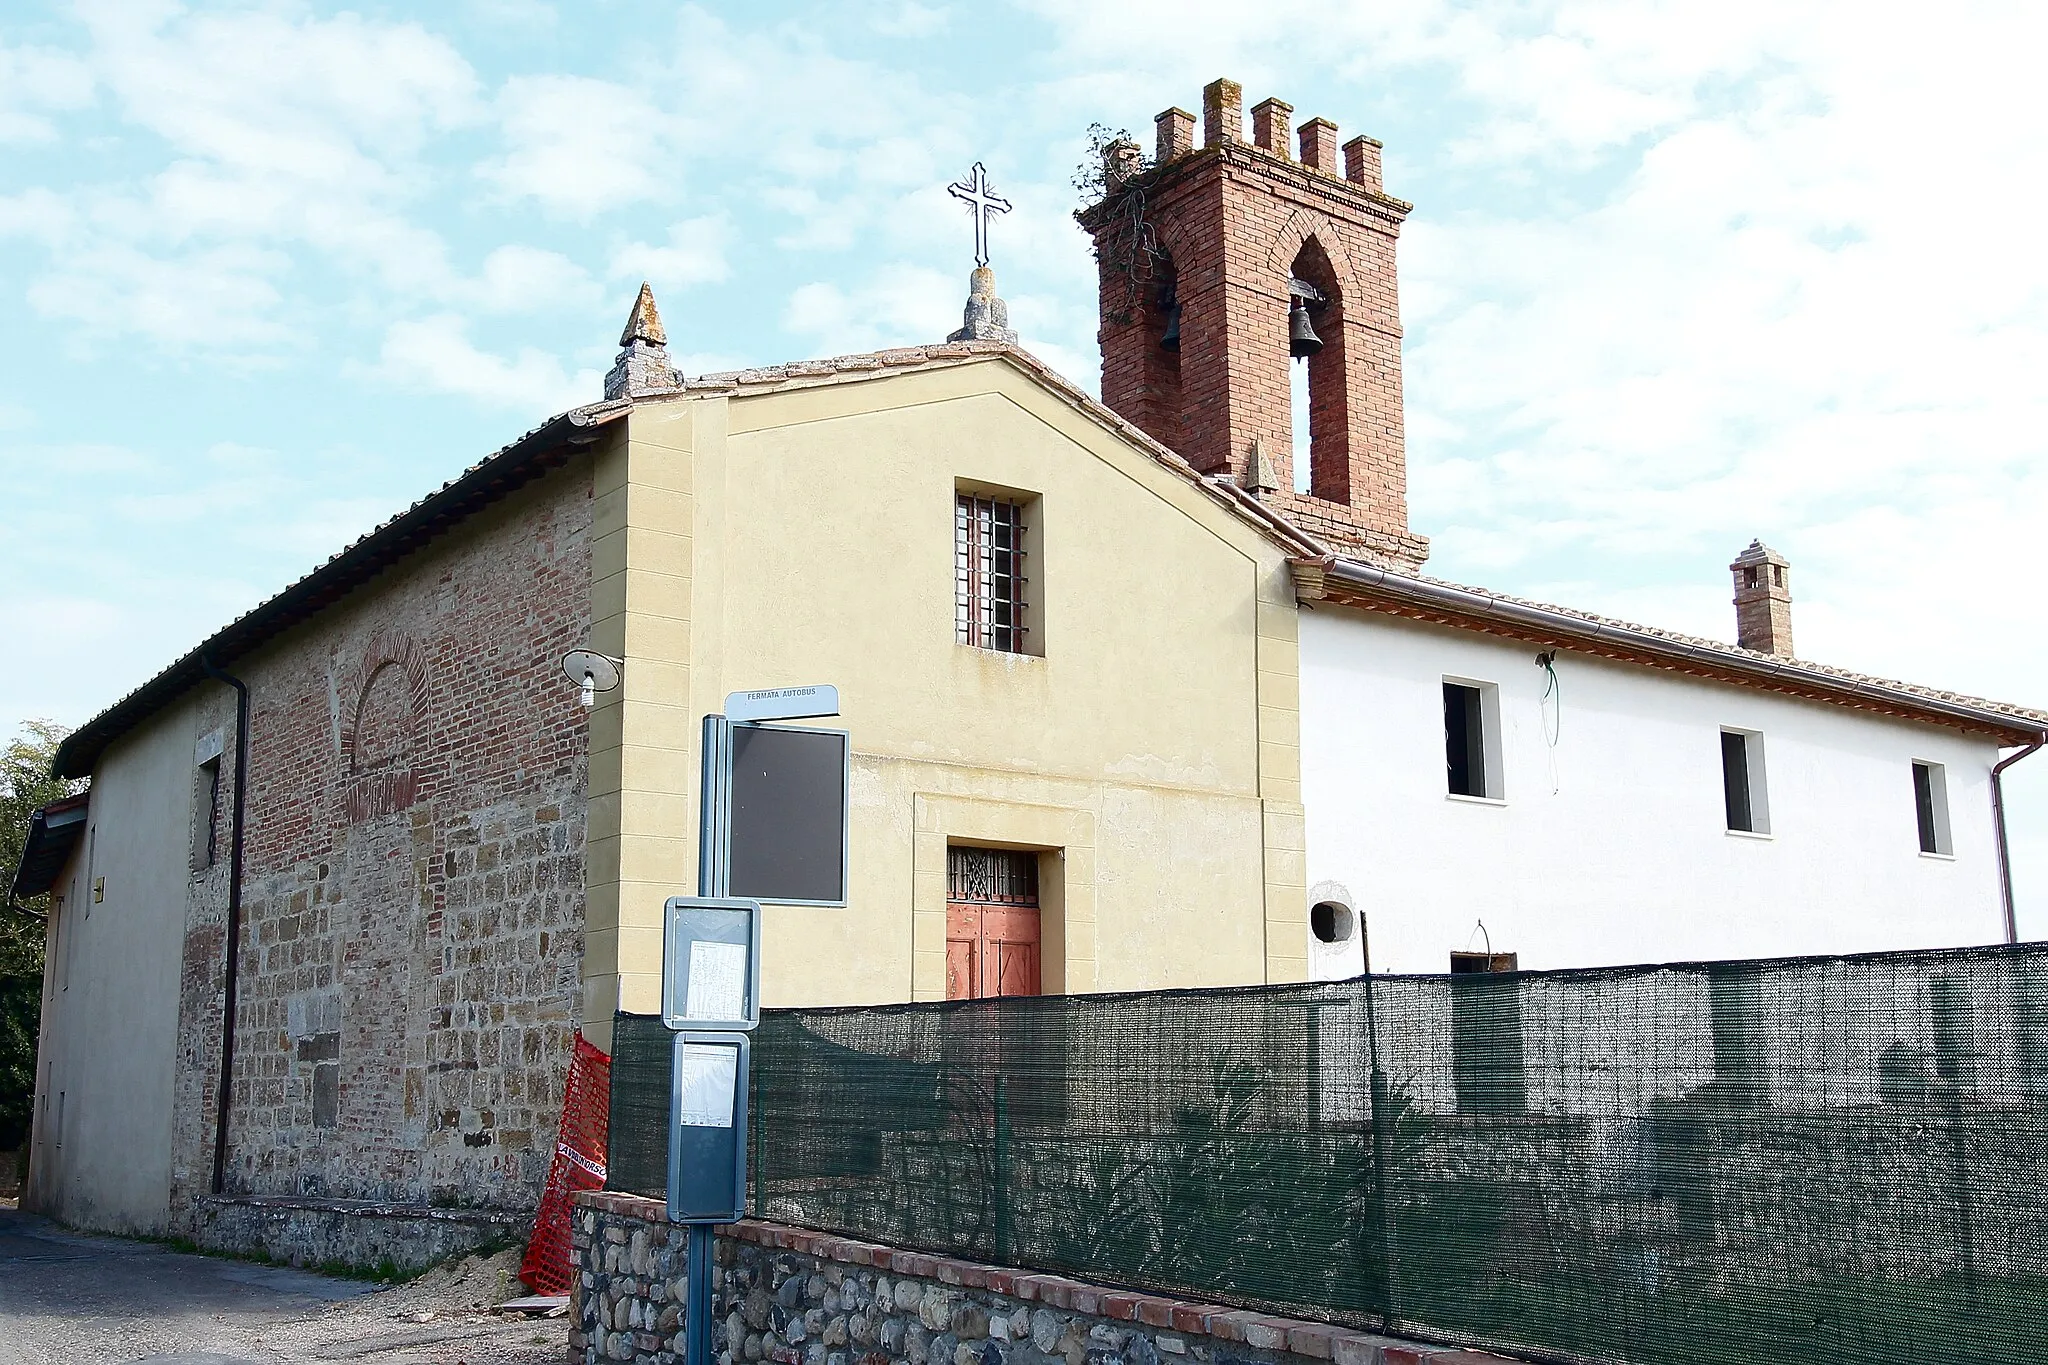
1331	922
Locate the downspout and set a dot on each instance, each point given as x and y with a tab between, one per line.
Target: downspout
2012	923
234	946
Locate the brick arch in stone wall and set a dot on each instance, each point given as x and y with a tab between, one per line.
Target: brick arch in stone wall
381	733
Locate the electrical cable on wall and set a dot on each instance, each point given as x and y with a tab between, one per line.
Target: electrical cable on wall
1479	931
1552	705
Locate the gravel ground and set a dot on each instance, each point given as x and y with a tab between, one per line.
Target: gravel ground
70	1299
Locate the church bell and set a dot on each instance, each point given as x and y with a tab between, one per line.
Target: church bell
1302	340
1170	339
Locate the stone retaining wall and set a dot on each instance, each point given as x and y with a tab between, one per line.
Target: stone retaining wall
363	1233
796	1297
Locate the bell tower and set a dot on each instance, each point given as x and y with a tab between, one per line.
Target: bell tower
1222	265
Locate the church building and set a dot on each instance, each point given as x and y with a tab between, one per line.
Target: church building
1138	695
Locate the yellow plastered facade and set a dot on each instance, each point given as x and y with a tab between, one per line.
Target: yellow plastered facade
1148	748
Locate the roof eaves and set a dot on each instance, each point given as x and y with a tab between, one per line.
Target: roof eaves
483	483
53	833
1647	644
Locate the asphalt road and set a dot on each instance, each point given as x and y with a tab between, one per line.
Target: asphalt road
68	1299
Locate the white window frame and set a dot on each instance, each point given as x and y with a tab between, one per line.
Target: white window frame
1937	800
1757	779
1492	770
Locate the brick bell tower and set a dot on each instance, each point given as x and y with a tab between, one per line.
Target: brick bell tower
1211	261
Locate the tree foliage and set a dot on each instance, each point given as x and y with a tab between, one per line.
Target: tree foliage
26	785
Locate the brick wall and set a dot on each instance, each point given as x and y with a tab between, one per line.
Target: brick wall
413	890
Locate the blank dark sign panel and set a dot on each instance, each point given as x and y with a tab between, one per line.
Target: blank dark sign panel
788	815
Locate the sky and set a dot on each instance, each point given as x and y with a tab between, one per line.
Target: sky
1677	276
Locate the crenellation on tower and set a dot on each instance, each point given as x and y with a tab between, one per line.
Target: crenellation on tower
1271	120
1219	268
1319	146
1222	112
1175	131
1362	162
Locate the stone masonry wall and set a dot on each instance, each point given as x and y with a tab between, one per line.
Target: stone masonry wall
797	1297
413	888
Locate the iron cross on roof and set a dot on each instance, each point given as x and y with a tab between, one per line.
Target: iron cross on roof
983	203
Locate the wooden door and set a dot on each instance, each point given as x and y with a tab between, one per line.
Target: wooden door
992	923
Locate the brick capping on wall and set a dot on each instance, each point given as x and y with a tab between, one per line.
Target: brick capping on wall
1288	1339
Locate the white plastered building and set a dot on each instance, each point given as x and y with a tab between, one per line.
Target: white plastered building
1484	776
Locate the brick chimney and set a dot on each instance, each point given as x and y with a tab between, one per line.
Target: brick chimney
1198	257
1763	600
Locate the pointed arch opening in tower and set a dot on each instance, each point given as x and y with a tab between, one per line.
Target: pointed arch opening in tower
1161	315
1321	457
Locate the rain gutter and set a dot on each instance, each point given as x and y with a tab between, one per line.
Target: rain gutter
1789	673
234	936
2012	923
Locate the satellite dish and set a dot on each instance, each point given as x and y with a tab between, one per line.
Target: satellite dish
592	671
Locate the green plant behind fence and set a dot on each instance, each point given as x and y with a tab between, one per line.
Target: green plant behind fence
1840	1159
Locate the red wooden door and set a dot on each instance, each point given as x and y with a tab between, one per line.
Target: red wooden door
992	923
991	950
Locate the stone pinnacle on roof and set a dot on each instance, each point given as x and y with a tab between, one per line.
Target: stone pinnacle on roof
645	322
1259	474
643	366
986	317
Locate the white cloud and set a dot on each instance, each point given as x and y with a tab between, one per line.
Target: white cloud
214	297
277	134
33	83
694	254
911	20
314	101
436	355
517	279
897	306
526	14
39	215
577	146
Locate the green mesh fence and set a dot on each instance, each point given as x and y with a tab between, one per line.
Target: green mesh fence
1820	1159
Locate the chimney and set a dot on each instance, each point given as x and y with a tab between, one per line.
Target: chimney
1195	326
1763	600
643	366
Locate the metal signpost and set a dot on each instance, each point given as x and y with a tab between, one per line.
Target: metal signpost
773	828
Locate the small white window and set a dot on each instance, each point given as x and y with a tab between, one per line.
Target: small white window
1743	789
1472	764
1930	807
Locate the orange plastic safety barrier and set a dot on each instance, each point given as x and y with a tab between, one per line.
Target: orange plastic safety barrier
579	1164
